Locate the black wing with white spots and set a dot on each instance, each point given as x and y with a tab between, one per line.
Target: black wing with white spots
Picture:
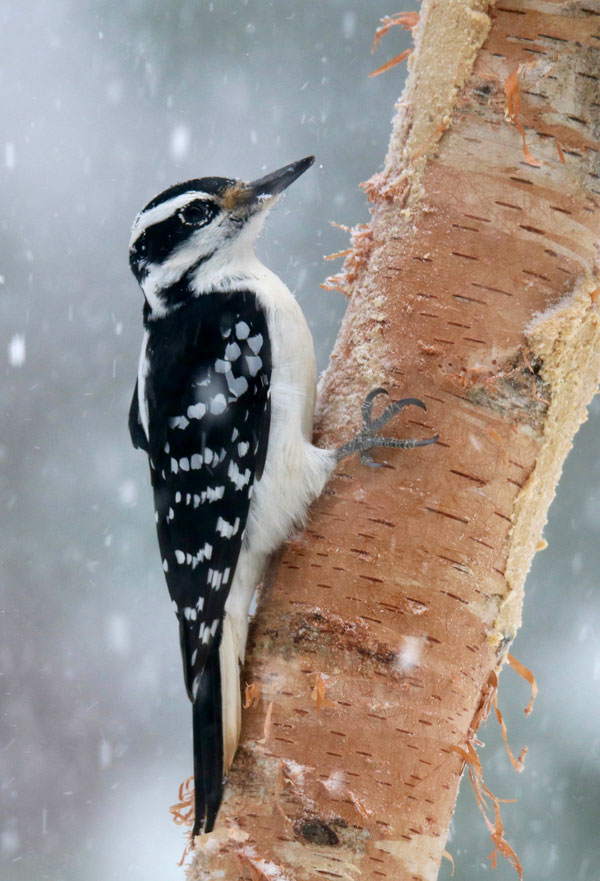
207	388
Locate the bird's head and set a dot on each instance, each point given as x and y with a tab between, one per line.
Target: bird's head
192	232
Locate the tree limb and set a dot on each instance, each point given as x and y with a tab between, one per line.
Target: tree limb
378	644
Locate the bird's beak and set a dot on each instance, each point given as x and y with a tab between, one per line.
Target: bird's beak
278	181
252	196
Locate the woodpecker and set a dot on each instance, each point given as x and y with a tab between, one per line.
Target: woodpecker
223	406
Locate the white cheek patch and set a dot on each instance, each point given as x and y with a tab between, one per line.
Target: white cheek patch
197	249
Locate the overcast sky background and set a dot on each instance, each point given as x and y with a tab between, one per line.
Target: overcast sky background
103	105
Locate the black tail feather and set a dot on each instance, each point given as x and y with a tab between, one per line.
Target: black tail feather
208	746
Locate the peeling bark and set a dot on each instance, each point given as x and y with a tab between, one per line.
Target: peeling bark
475	287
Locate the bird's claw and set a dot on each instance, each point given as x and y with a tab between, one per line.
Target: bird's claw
389	412
366	459
367	439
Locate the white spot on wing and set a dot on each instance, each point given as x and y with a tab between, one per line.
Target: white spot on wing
242	330
232	351
215	579
254	364
196	411
256	343
178	422
238	478
218	404
226	529
214	493
237	385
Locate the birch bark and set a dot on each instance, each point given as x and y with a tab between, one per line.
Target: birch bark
379	639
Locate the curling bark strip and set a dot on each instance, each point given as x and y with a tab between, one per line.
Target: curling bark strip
475	288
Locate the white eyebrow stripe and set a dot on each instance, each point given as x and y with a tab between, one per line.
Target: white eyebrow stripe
162	211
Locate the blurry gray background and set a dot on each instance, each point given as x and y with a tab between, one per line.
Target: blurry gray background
103	105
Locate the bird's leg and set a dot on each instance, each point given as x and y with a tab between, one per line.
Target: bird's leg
367	438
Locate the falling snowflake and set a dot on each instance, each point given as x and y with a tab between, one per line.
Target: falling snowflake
16	350
181	140
9	156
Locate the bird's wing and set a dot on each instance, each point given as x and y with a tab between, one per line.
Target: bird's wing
213	440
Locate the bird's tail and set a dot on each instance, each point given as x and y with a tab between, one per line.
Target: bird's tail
216	721
208	746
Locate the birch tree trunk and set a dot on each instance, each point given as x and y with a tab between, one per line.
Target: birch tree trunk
378	643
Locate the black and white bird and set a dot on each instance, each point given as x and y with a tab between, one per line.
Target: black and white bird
223	406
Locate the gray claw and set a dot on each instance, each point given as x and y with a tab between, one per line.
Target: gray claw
367	439
367	406
368	460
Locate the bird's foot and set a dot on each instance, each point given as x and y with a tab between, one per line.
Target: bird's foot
368	438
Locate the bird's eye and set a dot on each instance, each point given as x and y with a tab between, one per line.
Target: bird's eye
198	213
